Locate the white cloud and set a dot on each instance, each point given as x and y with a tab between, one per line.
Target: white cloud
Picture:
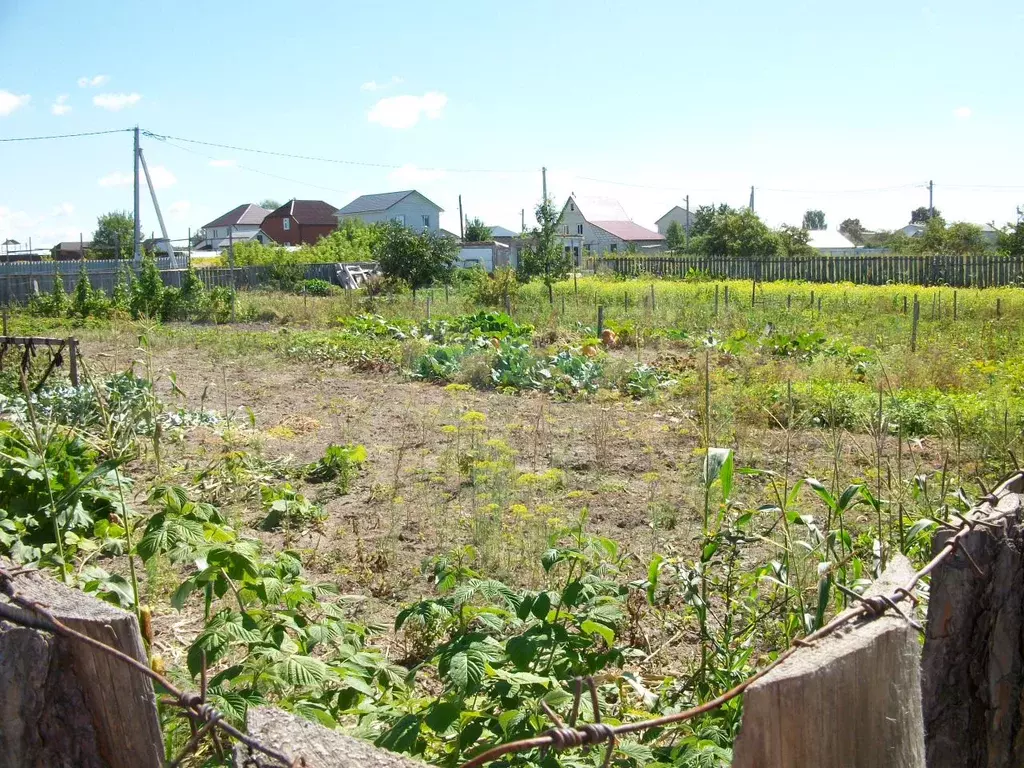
92	82
373	85
60	106
115	179
222	163
15	221
962	113
115	102
405	111
9	102
410	175
64	209
179	208
162	178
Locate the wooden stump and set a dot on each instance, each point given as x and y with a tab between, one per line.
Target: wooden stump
973	662
851	701
65	703
319	747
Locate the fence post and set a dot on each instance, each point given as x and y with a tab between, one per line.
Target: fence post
954	306
851	699
999	307
716	299
65	702
972	667
600	319
652	298
913	327
72	361
727	297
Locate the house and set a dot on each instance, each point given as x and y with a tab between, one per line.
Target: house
70	249
300	222
409	208
241	223
911	230
830	241
501	233
680	216
9	245
600	225
989	233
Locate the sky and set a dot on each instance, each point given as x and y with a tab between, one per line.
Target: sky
850	108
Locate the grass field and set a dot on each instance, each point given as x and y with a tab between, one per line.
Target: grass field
417	527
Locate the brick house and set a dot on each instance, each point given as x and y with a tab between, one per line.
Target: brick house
300	222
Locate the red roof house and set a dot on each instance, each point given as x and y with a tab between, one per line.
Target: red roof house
300	222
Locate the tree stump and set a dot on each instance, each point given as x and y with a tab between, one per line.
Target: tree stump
853	700
66	704
319	747
972	667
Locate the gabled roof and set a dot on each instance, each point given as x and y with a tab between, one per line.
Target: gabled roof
673	210
10	242
72	245
497	231
599	208
315	212
246	213
628	231
828	239
380	202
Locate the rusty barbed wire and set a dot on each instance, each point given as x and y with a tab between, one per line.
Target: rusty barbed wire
192	705
868	608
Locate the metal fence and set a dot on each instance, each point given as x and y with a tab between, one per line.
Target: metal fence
17	286
978	271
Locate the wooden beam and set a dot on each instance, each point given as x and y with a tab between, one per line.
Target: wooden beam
851	700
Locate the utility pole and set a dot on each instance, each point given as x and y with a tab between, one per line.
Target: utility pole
751	199
931	199
544	182
686	235
462	221
136	251
522	219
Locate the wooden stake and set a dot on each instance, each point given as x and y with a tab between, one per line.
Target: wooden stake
652	297
600	319
73	361
913	329
716	299
954	306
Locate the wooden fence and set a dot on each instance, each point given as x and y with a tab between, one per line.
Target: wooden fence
982	271
18	287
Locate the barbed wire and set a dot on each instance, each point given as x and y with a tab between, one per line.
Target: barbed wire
868	609
205	719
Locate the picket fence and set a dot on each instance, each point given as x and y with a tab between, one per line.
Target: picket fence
979	271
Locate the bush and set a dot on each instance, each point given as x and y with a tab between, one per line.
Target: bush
493	290
317	287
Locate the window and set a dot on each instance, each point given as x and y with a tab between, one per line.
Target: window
613	247
579	229
572	207
399	218
286	224
287	243
426	221
567	250
565	229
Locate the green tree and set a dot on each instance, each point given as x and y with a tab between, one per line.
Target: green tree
1011	239
853	229
738	234
544	255
416	259
923	214
814	219
116	228
933	239
793	241
675	236
477	231
705	215
963	238
270	204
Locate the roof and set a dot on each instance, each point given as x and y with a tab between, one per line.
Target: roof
673	210
246	213
497	231
72	245
596	209
237	237
828	239
307	212
11	242
380	202
628	231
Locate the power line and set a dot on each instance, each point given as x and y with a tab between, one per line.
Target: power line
66	135
314	158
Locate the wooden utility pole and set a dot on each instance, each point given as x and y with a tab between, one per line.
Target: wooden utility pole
462	222
686	235
137	246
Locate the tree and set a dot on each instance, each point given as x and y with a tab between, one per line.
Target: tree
738	234
544	255
270	204
922	215
704	215
1011	239
477	231
814	219
116	228
675	236
963	238
853	229
793	241
417	259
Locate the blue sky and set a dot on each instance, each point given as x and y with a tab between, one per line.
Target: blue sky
851	108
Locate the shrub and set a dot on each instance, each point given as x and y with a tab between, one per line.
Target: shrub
492	290
317	287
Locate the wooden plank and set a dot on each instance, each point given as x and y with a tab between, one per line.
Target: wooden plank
851	700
